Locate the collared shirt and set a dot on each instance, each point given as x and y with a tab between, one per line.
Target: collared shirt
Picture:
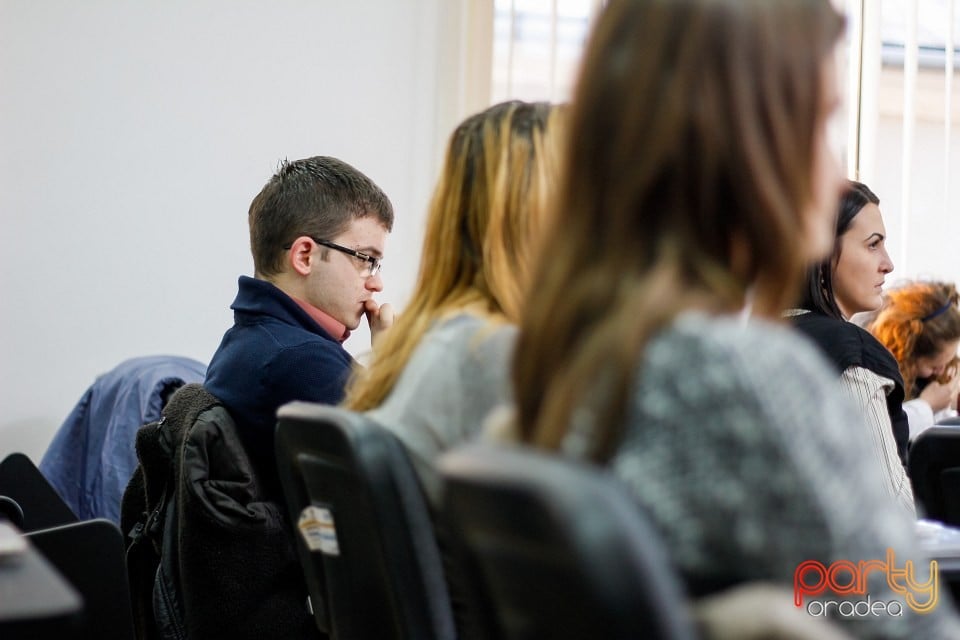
332	326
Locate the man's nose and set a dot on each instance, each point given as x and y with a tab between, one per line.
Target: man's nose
374	283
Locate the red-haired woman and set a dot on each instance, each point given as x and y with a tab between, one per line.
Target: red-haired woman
920	324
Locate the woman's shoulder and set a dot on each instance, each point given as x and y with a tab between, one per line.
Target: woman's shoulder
833	331
759	379
465	340
725	356
754	343
470	330
847	344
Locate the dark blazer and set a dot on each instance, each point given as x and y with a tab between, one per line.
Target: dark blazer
848	345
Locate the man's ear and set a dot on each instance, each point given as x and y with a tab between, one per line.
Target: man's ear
300	255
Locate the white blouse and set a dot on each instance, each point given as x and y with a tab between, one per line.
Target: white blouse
869	391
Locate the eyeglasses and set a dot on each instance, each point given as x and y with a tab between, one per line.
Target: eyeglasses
371	264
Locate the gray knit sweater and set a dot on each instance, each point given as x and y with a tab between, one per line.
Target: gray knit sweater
750	462
456	375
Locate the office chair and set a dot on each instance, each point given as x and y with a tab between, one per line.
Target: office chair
36	602
37	505
933	465
363	528
90	555
557	550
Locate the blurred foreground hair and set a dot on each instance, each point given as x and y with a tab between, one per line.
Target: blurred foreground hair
688	174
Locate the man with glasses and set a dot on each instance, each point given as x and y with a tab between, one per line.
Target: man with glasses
317	234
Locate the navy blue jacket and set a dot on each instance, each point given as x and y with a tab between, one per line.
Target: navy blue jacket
273	354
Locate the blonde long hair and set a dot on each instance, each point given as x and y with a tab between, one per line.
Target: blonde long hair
487	210
687	179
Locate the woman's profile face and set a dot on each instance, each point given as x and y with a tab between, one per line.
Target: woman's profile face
863	264
933	366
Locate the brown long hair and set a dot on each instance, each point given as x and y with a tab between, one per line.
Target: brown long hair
487	210
916	321
687	176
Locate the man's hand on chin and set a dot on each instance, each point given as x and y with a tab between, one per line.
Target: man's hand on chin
379	317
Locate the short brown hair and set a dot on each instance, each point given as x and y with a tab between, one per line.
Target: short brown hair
316	197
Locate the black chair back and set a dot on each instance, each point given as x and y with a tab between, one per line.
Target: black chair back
90	555
557	550
933	464
363	528
36	602
40	504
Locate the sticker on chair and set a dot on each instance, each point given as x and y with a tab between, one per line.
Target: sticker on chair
318	530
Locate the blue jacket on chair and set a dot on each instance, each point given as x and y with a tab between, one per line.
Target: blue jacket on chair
92	456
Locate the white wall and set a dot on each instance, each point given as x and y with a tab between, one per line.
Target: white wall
133	136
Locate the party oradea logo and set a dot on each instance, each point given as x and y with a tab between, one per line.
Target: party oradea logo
841	587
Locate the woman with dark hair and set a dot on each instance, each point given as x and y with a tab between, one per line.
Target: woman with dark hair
832	287
697	185
850	280
920	324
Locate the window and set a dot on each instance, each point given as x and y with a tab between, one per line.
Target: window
909	115
537	46
899	133
933	16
